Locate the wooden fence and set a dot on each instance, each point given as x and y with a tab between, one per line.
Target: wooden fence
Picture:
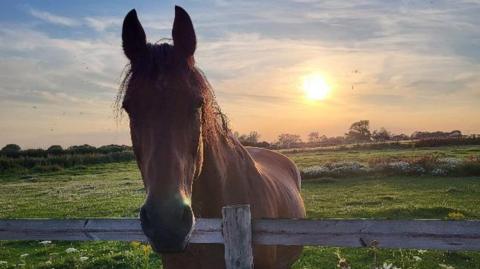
238	232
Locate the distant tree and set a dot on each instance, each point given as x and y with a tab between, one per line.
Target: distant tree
436	135
400	137
112	148
288	140
82	149
36	153
381	135
250	139
11	150
315	137
55	150
334	141
359	132
455	134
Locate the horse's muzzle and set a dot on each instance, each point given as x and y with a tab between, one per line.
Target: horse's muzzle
167	232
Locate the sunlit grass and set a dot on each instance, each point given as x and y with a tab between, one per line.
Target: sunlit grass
115	190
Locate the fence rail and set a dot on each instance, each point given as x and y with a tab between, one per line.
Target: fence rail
422	234
236	229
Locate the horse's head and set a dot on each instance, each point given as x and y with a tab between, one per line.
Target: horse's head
164	100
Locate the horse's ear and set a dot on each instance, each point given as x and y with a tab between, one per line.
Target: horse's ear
184	39
134	40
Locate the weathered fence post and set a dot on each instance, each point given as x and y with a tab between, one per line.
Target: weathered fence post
237	234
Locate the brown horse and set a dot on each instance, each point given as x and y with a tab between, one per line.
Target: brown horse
190	162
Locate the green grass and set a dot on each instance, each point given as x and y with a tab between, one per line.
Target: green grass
306	159
115	190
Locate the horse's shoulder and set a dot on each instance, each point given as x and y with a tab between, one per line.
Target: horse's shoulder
275	164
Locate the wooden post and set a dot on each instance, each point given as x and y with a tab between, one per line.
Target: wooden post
237	235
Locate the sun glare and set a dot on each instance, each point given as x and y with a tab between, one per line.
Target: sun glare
315	87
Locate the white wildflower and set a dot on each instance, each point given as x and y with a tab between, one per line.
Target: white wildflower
71	250
416	258
439	172
422	251
450	162
400	165
48	262
388	266
24	255
315	171
3	262
446	266
82	259
46	242
343	264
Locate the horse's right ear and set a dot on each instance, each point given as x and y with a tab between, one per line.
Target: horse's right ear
134	40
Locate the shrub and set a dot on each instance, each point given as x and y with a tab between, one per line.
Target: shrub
36	153
455	141
470	167
112	148
395	166
83	149
55	150
336	169
62	161
11	150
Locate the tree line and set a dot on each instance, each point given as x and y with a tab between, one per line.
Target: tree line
15	151
359	132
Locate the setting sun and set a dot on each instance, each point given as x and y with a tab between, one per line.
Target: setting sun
315	87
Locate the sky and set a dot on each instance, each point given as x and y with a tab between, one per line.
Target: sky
403	65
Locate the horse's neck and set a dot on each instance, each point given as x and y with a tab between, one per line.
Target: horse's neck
225	164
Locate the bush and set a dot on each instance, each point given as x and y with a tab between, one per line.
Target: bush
470	167
112	148
55	150
336	169
11	150
83	149
438	142
36	153
62	161
432	165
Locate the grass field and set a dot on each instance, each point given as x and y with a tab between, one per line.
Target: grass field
115	190
311	158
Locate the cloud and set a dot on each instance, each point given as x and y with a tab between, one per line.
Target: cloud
101	24
408	54
52	18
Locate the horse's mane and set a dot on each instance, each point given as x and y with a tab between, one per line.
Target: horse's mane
215	123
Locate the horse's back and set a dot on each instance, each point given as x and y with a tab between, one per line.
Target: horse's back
280	171
276	165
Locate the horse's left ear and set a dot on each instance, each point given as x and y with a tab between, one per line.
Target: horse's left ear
184	39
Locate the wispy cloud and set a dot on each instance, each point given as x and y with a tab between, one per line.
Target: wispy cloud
101	24
52	18
411	57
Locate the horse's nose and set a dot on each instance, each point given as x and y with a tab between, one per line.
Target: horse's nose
167	230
